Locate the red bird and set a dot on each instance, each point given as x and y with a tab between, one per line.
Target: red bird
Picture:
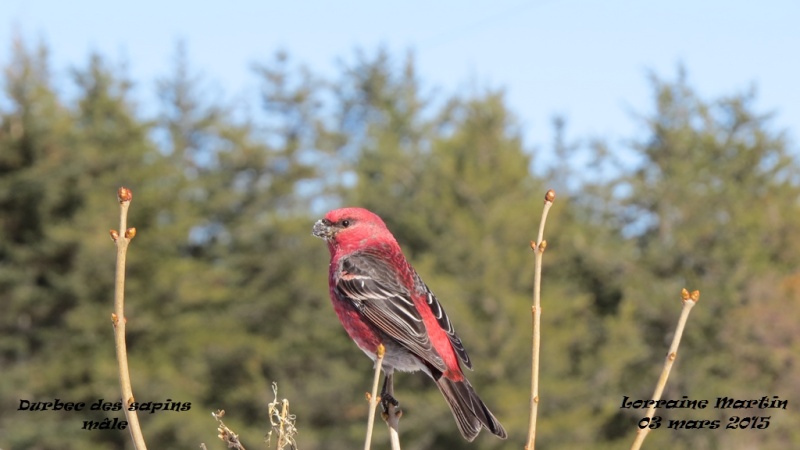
380	299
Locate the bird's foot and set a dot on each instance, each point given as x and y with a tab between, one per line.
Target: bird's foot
390	405
387	399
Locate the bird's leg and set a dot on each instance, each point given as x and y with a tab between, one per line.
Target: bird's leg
391	410
387	394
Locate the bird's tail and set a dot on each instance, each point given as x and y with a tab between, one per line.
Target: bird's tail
468	409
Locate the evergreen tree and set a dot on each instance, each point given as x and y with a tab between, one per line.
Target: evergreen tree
226	288
710	207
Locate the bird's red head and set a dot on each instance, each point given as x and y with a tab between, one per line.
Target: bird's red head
346	229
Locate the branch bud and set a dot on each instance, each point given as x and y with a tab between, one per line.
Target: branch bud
130	233
684	294
696	296
124	194
550	195
114	235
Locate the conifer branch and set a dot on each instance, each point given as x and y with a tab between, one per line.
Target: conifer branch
124	195
689	300
536	311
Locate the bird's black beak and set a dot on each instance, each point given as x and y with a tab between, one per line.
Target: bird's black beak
323	229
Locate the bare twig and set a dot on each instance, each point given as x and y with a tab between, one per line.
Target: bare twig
689	300
536	311
393	436
373	398
124	195
392	419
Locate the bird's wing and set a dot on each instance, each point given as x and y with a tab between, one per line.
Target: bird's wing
370	282
444	321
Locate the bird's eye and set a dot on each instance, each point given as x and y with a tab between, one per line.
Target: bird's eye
345	223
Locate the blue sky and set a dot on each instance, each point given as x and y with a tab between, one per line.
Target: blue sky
585	60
